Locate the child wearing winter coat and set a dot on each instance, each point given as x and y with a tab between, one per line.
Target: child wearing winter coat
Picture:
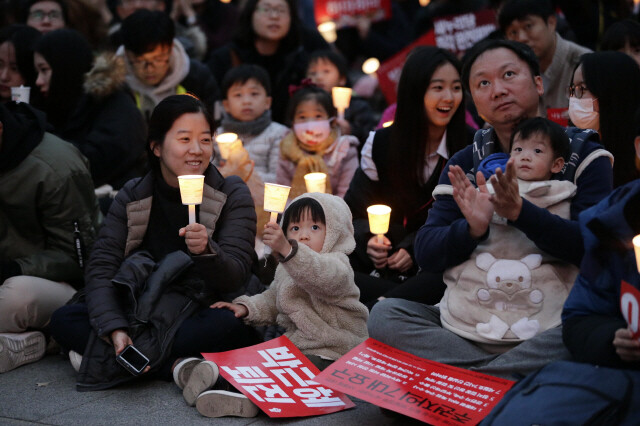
316	144
247	103
247	113
313	295
328	69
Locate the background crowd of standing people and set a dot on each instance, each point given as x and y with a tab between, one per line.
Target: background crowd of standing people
512	172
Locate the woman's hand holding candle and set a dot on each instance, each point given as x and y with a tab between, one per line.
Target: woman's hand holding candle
196	238
378	253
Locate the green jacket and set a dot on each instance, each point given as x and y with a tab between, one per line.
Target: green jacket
48	212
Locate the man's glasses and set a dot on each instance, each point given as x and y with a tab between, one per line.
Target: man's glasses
271	11
576	91
39	15
156	62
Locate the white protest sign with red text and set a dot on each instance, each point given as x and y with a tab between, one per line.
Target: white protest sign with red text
429	391
342	12
630	307
458	33
279	379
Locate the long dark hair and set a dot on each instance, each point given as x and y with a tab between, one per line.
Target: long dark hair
23	38
410	131
165	114
69	56
618	99
245	35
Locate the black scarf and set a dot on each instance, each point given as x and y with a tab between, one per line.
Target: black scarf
252	128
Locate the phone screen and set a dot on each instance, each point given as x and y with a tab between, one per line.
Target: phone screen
134	358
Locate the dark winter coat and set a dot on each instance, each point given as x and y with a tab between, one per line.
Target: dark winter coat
227	212
48	210
592	314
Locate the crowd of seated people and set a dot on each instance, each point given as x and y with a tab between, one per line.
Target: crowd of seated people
104	104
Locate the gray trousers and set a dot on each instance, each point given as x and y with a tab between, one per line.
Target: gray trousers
416	328
27	302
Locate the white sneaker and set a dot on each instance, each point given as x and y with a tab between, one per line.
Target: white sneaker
182	371
220	403
76	360
17	349
203	377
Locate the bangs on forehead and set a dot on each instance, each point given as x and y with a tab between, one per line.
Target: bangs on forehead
301	208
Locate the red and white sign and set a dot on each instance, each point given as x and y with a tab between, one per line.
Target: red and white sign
559	115
429	391
279	379
344	12
458	33
630	307
390	70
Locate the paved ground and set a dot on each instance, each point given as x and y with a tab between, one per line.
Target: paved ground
44	393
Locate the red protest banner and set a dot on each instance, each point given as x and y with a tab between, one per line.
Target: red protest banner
630	307
390	70
342	12
279	379
458	33
429	391
559	115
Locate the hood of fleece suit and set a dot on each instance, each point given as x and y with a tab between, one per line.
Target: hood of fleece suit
339	225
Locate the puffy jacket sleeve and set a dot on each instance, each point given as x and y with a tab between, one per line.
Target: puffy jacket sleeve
348	168
262	307
227	268
444	240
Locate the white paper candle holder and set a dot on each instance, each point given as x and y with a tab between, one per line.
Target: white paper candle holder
328	31
316	182
227	143
275	199
191	188
341	99
379	216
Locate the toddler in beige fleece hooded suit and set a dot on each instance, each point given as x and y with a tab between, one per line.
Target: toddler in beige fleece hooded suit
313	295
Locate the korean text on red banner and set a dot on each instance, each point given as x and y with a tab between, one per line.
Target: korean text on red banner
458	33
343	12
429	391
279	379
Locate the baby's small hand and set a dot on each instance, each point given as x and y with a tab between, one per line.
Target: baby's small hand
240	311
275	238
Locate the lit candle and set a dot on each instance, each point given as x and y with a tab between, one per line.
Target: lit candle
316	182
424	2
370	66
191	188
341	99
328	31
275	199
379	216
227	143
636	247
387	123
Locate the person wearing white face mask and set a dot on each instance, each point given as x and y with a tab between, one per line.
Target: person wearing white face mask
603	95
315	145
